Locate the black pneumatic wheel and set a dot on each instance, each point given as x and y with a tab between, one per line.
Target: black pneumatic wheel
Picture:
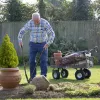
56	74
79	74
87	73
64	73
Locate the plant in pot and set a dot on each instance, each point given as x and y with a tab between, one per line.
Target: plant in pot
10	76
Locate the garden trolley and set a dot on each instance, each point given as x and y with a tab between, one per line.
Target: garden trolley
81	61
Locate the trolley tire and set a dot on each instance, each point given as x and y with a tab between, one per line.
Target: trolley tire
56	74
87	73
64	73
79	74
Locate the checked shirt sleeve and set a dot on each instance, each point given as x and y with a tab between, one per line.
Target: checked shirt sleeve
50	32
23	30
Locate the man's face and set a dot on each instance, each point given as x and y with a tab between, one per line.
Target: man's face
36	21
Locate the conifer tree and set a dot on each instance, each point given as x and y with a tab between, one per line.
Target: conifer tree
8	55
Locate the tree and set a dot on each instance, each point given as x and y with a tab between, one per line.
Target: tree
1	13
14	10
41	7
81	10
96	6
56	3
8	55
59	13
27	10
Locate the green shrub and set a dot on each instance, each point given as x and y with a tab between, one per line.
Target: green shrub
82	44
8	55
29	89
26	59
62	44
95	60
20	58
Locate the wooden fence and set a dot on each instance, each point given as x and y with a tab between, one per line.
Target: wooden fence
72	30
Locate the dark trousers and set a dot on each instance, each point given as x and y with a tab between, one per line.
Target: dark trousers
34	49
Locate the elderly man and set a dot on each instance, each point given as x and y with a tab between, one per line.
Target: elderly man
41	36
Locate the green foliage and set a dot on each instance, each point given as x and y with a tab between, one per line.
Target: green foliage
96	8
2	13
59	13
95	60
56	3
41	7
26	59
14	10
82	44
56	10
62	44
82	10
8	55
29	89
65	10
27	10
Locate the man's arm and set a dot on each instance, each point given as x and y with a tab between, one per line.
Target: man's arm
21	33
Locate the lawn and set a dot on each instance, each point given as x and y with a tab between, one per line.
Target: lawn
95	76
60	99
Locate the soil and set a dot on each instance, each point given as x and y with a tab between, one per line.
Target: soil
19	93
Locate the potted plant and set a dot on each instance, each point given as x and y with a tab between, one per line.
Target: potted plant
9	72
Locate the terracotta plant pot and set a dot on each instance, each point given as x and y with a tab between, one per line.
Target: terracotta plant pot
10	77
57	57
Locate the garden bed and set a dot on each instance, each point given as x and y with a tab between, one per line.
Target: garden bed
61	90
19	93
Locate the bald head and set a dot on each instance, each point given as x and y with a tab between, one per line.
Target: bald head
36	18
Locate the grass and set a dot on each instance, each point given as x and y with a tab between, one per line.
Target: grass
95	75
61	99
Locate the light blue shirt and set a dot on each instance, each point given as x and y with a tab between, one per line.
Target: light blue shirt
38	33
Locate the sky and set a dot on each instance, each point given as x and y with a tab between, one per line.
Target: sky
34	1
